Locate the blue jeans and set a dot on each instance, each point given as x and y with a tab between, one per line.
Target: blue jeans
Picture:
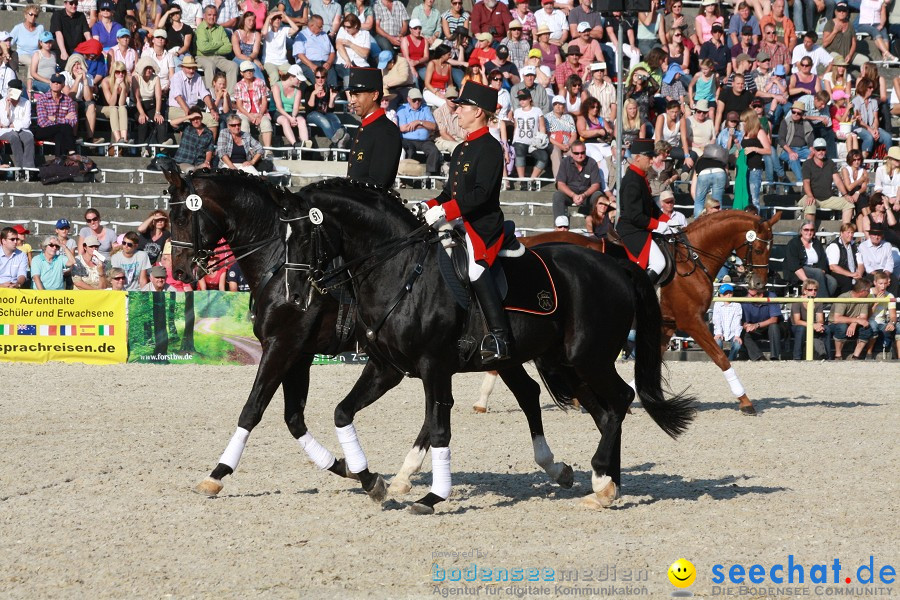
867	142
885	338
839	331
754	181
735	348
709	183
811	14
39	86
327	122
770	163
795	165
870	29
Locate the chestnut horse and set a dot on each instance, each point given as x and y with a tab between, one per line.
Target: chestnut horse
707	244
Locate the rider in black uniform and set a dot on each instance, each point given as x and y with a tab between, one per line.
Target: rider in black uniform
472	193
375	152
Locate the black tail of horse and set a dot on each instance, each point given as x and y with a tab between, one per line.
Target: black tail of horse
674	414
558	381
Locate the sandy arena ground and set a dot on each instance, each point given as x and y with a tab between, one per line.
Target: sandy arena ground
96	500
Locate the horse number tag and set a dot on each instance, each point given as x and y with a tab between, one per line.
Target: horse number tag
316	217
193	202
751	236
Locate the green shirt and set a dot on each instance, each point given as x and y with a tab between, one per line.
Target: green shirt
212	42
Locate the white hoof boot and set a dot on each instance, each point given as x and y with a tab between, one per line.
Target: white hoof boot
209	487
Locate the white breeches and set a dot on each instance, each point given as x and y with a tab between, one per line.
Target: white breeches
657	260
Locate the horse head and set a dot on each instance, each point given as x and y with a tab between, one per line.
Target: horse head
758	244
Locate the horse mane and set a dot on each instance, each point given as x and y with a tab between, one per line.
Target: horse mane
372	202
713	220
278	193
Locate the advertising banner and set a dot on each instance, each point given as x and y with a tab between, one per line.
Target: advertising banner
40	326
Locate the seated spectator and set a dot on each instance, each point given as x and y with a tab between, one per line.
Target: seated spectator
805	259
57	118
554	20
147	97
452	20
543	73
878	211
237	149
677	220
79	86
777	20
89	270
816	54
661	173
840	37
450	134
842	261
868	128
13	262
771	87
529	127
70	28
632	125
887	178
742	70
94	61
186	91
26	36
596	132
795	137
117	92
213	49
414	47
761	321
157	53
856	181
43	66
246	44
516	43
105	29
851	321
602	220
672	89
726	321
319	105
710	177
63	227
417	124
873	20
884	316
330	11
133	262
123	52
288	104
437	77
313	49
740	21
430	18
15	121
572	66
818	176
601	87
276	31
504	67
116	279
158	277
104	235
579	183
549	52
717	51
490	16
197	142
251	98
353	46
671	127
153	234
179	35
391	23
563	131
229	13
221	99
800	321
733	100
875	253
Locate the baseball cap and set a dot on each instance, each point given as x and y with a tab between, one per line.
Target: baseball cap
598	66
725	288
246	65
558	100
529	70
91	240
842	6
502	51
561	221
123	33
5	35
484	36
717	27
413	23
105	5
584	26
523	94
535	53
384	57
63	224
819	143
46	37
743	56
20	229
779	70
57	78
414	94
160	33
158	271
297	72
763	56
746	30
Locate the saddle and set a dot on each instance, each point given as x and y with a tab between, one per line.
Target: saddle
666	243
522	277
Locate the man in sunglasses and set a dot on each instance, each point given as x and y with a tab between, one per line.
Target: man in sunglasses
48	268
579	183
818	176
70	28
795	137
133	262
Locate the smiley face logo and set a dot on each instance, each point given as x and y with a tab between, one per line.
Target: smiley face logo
682	573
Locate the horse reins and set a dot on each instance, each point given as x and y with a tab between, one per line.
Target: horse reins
695	253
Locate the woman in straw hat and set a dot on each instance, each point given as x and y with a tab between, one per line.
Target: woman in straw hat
147	92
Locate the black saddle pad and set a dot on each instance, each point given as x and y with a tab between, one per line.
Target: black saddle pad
531	287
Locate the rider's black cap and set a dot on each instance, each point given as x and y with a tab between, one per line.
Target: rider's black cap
365	80
482	96
644	147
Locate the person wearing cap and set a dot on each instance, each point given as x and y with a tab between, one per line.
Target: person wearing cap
157	283
15	124
865	109
13	262
213	48
742	18
391	23
198	144
502	67
276	30
778	52
572	66
430	18
89	270
417	125
57	118
9	58
529	83
795	137
450	134
123	52
63	228
783	25
483	52
742	64
588	47
375	151
839	37
161	58
288	99
472	193
818	176
600	86
579	182
415	48
43	65
251	99
563	132
70	28
105	29
677	220
638	213
553	19
530	128
490	16
717	51
516	44
726	322
561	223
186	90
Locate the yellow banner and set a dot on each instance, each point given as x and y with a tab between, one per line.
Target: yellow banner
70	326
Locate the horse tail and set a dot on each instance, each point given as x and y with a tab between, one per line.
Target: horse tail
672	414
558	383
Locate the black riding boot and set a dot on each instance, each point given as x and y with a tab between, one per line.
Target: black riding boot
497	344
654	277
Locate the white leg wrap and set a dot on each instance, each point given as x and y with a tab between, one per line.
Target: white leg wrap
412	464
316	452
733	382
543	456
353	452
440	472
599	483
232	454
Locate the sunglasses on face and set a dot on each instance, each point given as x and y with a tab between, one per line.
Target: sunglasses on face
806	229
319	77
119	278
807	65
234	124
53	245
92	220
797	112
578	153
128	244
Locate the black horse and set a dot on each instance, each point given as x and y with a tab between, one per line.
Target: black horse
292	326
413	327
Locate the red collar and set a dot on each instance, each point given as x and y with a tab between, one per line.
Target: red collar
637	170
476	134
378	112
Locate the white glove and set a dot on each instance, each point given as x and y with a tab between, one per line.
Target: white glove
418	209
663	228
435	214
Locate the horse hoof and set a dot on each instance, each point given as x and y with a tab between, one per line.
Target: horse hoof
479	409
417	508
378	493
748	410
209	487
602	499
399	487
566	477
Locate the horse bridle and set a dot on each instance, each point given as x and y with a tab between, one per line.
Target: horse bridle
750	238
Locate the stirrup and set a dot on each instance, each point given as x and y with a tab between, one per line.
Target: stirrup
494	347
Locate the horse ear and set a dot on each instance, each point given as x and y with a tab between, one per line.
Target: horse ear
171	172
775	218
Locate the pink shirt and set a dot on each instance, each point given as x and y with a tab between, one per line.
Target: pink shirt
704	27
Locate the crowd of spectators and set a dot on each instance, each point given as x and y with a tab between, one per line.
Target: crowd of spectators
99	259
